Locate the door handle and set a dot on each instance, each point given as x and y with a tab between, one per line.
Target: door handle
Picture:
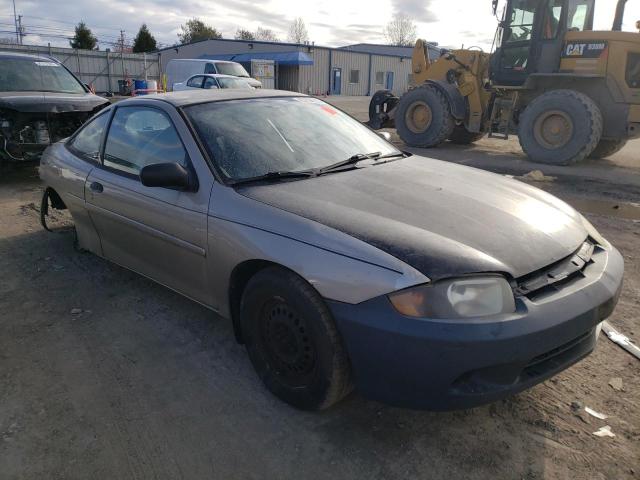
96	187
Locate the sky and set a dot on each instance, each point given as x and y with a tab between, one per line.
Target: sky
451	23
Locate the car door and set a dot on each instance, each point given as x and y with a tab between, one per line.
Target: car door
158	232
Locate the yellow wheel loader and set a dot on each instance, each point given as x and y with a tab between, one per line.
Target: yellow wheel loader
567	91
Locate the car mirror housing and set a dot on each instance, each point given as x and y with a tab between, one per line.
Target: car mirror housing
168	175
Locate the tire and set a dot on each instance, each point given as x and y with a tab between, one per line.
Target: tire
606	147
560	127
437	127
379	99
292	340
462	136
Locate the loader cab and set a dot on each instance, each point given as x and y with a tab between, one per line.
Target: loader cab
531	37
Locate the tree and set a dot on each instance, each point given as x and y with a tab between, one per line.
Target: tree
266	35
242	34
196	30
401	31
298	32
83	39
144	41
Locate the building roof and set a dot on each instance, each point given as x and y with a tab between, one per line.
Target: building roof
310	46
282	58
262	42
192	97
379	49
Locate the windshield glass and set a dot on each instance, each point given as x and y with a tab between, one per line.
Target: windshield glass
28	75
234	69
248	138
233	83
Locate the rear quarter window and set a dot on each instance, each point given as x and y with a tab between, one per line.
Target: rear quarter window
88	140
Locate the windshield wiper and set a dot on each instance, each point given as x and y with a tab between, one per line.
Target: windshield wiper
358	157
277	175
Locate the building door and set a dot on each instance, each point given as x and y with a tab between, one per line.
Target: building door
336	81
389	81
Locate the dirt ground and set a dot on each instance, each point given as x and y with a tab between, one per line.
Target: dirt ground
104	374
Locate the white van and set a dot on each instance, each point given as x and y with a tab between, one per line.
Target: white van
180	69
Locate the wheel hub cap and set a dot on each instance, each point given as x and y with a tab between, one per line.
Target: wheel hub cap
553	129
418	117
287	341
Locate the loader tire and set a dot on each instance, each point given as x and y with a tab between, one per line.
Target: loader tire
424	117
560	127
462	136
607	147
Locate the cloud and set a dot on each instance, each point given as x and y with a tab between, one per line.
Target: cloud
330	22
417	10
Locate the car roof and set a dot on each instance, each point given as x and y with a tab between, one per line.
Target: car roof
191	97
25	56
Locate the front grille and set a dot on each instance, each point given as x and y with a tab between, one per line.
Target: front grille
555	276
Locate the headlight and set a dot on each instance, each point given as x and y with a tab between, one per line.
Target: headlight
458	298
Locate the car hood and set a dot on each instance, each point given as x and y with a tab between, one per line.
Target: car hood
50	102
441	218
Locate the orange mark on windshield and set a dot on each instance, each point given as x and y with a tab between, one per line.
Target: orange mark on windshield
328	109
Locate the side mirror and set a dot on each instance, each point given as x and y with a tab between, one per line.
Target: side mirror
168	175
385	135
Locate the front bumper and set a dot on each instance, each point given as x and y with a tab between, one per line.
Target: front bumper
453	364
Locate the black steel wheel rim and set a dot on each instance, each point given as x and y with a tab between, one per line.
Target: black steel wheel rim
287	341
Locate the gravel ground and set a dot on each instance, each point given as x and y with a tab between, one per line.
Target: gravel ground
105	374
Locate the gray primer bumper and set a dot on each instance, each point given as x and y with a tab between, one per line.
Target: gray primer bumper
446	365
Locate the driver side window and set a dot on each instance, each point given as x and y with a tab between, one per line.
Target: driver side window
141	136
195	81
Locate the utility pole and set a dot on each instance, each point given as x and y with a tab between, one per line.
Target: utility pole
15	20
20	28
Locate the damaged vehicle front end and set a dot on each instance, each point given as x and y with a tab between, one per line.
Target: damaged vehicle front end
41	102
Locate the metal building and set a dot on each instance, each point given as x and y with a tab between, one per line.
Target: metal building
308	69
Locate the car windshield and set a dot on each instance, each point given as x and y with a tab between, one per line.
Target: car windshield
233	83
29	75
253	137
234	69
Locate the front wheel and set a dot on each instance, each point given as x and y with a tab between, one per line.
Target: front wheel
292	340
423	117
560	127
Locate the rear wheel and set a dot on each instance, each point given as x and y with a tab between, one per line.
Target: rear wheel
606	147
560	127
462	136
292	340
423	117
